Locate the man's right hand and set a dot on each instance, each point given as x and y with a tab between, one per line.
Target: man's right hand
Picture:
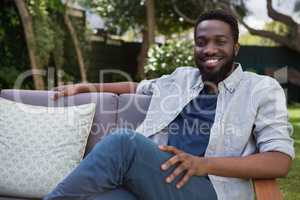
118	88
65	90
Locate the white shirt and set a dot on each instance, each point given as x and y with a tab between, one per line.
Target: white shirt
251	116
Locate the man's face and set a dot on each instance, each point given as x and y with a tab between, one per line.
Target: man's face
214	50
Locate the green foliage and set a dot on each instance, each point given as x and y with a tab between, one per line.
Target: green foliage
248	39
13	52
274	26
44	39
47	29
37	8
291	184
58	41
52	36
53	42
119	15
164	59
168	21
71	66
8	75
123	15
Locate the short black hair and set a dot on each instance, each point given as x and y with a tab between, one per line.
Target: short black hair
221	15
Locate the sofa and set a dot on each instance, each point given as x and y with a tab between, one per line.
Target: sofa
113	111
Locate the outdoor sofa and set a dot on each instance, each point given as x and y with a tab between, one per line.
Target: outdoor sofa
112	110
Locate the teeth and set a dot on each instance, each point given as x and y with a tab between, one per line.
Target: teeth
212	61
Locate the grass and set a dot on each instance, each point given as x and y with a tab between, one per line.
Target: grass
290	186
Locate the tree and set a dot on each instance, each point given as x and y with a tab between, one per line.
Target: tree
148	37
274	26
76	43
12	46
52	26
30	41
150	5
123	15
290	39
45	34
44	24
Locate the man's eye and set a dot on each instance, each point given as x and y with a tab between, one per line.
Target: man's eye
200	43
221	42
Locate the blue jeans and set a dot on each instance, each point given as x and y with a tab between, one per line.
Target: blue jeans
125	165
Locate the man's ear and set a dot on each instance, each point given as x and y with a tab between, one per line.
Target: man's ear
236	48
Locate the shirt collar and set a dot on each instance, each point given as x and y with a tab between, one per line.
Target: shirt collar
232	81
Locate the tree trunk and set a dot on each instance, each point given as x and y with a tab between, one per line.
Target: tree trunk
148	37
151	21
142	58
30	41
76	43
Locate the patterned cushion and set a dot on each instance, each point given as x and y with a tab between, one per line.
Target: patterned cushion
39	145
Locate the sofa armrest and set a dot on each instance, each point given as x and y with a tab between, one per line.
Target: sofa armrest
266	189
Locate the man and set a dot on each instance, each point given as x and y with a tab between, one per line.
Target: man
217	128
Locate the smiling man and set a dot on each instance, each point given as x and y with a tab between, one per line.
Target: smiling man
207	133
216	45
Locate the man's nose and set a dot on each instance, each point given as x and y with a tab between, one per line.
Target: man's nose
210	50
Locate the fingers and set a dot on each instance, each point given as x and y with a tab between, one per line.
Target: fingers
186	165
170	162
175	173
179	170
185	179
59	88
59	92
169	149
57	95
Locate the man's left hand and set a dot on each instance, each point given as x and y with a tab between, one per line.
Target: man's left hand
187	163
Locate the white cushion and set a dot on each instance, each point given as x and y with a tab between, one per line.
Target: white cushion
39	145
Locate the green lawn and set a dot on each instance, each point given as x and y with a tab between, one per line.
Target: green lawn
290	186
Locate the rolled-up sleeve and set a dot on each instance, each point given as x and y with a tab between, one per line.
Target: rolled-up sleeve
272	128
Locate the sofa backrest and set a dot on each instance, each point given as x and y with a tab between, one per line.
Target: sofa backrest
132	110
112	111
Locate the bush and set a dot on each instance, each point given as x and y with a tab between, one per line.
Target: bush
164	59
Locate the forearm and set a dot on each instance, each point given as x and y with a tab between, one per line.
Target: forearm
119	88
260	165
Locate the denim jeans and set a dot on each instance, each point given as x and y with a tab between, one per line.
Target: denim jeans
125	165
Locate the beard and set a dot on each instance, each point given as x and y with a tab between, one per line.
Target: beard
219	75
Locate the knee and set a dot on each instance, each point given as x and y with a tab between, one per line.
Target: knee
122	136
116	141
